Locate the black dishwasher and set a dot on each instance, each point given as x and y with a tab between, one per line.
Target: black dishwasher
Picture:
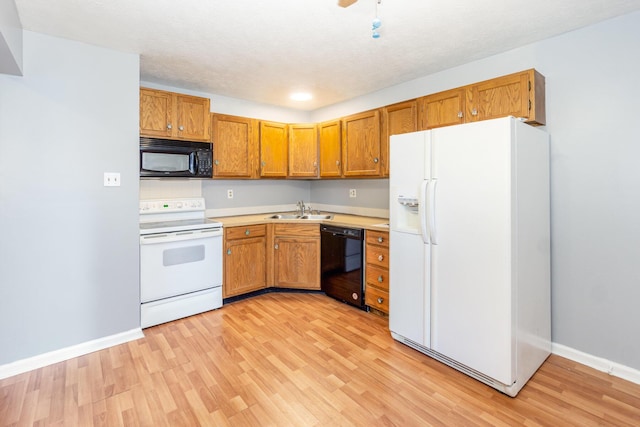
341	264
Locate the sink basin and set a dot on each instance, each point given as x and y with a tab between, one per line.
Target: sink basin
322	216
295	216
284	216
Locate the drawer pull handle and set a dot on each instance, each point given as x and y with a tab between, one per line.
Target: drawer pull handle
246	232
380	257
380	300
380	279
380	240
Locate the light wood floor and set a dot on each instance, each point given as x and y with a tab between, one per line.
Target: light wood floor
292	359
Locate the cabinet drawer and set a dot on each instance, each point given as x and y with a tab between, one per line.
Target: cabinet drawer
291	229
378	277
377	298
380	238
378	255
245	232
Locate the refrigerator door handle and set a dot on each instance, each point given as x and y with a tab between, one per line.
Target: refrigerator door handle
431	209
422	211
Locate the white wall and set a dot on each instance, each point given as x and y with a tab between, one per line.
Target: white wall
592	95
10	39
68	245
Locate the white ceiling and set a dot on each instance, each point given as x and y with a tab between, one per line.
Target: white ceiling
261	51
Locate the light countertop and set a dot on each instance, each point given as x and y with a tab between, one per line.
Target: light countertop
341	220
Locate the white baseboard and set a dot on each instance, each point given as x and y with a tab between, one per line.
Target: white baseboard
41	360
598	363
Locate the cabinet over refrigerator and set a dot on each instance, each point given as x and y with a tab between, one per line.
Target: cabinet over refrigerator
470	250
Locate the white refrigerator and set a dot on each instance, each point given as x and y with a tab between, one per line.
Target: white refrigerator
470	248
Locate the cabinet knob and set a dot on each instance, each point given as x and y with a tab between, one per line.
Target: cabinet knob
216	162
474	112
380	300
263	164
375	160
169	126
181	128
459	114
380	257
247	232
228	251
275	246
380	240
380	279
337	162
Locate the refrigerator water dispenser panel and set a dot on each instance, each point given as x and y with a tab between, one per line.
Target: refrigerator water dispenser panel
408	202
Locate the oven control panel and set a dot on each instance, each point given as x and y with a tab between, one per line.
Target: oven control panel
171	205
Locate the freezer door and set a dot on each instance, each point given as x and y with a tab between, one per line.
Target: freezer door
409	295
407	161
471	294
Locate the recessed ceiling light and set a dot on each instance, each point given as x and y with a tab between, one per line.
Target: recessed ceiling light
301	96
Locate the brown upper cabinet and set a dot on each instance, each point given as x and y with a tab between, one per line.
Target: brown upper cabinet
273	150
519	95
235	146
442	109
303	150
361	144
330	146
396	119
173	116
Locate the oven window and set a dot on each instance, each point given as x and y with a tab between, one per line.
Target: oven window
163	162
182	255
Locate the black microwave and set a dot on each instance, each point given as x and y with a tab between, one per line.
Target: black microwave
169	158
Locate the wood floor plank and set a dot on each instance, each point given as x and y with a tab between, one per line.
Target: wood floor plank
297	359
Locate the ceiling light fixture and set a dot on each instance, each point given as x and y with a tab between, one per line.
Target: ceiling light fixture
376	23
301	96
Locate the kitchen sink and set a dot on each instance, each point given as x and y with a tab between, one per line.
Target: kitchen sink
296	216
284	216
319	216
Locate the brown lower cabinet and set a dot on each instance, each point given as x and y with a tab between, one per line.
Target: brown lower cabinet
245	261
377	270
296	256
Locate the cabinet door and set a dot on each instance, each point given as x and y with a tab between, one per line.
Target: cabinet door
156	108
244	266
297	262
192	118
330	145
273	149
361	144
303	150
442	109
235	146
396	119
518	95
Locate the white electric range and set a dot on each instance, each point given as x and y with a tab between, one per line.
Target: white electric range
180	260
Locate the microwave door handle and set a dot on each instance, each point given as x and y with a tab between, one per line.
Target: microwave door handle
193	162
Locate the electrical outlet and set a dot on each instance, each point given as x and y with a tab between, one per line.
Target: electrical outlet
229	194
352	193
112	179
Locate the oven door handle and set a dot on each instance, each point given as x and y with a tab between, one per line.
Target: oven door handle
179	236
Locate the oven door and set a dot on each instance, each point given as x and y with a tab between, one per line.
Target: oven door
173	264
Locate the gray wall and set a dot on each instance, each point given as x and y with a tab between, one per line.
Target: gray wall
10	39
370	193
68	246
252	193
592	96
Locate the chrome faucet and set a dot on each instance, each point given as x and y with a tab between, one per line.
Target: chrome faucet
301	207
